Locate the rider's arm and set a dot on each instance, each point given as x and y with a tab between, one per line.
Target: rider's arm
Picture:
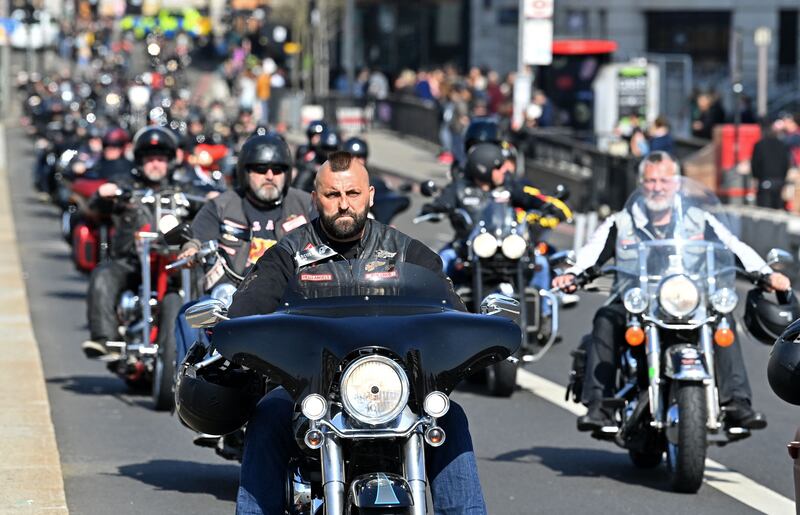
749	258
446	201
205	226
600	248
262	289
419	254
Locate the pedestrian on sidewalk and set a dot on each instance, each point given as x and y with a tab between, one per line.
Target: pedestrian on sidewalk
770	163
263	92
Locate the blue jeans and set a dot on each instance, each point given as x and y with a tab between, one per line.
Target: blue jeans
269	446
186	335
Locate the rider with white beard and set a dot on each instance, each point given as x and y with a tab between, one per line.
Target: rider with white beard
659	177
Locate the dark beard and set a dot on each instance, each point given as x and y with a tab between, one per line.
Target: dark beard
344	231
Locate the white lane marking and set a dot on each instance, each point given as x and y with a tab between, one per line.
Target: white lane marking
718	476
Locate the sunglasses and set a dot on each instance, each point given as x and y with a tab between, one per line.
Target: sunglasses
262	169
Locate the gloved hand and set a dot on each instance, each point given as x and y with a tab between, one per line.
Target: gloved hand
429	208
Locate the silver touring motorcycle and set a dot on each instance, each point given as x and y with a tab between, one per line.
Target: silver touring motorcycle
678	289
369	351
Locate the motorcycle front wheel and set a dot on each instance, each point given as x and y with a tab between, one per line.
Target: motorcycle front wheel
686	458
164	369
501	378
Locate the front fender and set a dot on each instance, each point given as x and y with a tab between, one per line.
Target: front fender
685	363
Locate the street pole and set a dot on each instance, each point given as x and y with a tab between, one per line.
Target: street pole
763	39
522	84
736	77
349	43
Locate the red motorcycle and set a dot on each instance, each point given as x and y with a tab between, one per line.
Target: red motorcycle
147	316
87	230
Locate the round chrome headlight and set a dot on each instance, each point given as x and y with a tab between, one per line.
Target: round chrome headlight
436	404
514	246
224	292
485	245
374	390
724	300
635	301
678	296
314	407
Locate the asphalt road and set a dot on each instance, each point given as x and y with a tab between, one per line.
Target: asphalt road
121	457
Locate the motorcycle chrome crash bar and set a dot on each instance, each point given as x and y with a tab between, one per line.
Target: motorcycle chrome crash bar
356	434
693	324
145	238
553	298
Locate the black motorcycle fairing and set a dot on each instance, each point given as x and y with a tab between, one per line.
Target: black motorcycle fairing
306	352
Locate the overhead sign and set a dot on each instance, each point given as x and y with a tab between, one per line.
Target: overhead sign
538	9
538	42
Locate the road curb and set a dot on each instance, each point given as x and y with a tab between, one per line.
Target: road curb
31	480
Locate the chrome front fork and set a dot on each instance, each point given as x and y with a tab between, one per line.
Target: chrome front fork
144	259
712	394
656	395
414	470
333	473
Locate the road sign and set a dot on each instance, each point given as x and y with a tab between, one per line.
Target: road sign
538	42
538	9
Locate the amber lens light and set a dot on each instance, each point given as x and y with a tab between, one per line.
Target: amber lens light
634	336
542	248
724	337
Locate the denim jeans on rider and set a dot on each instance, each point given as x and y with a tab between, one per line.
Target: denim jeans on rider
269	445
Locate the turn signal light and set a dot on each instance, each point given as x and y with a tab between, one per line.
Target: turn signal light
542	248
434	436
634	336
724	337
314	438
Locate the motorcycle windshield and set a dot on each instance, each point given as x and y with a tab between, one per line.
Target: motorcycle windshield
498	219
336	311
676	229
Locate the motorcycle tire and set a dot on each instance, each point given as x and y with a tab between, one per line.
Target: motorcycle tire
645	459
501	378
686	460
164	370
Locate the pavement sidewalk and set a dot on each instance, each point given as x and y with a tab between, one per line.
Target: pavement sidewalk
30	469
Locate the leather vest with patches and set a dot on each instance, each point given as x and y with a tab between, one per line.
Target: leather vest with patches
381	247
229	206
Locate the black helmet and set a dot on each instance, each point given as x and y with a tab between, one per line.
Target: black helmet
263	149
357	147
154	141
329	141
783	369
315	127
482	159
481	130
767	319
213	401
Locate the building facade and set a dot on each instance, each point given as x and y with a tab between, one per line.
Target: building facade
705	31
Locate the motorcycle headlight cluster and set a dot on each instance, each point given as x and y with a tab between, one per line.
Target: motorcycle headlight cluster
678	296
374	390
724	300
224	292
485	246
635	301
